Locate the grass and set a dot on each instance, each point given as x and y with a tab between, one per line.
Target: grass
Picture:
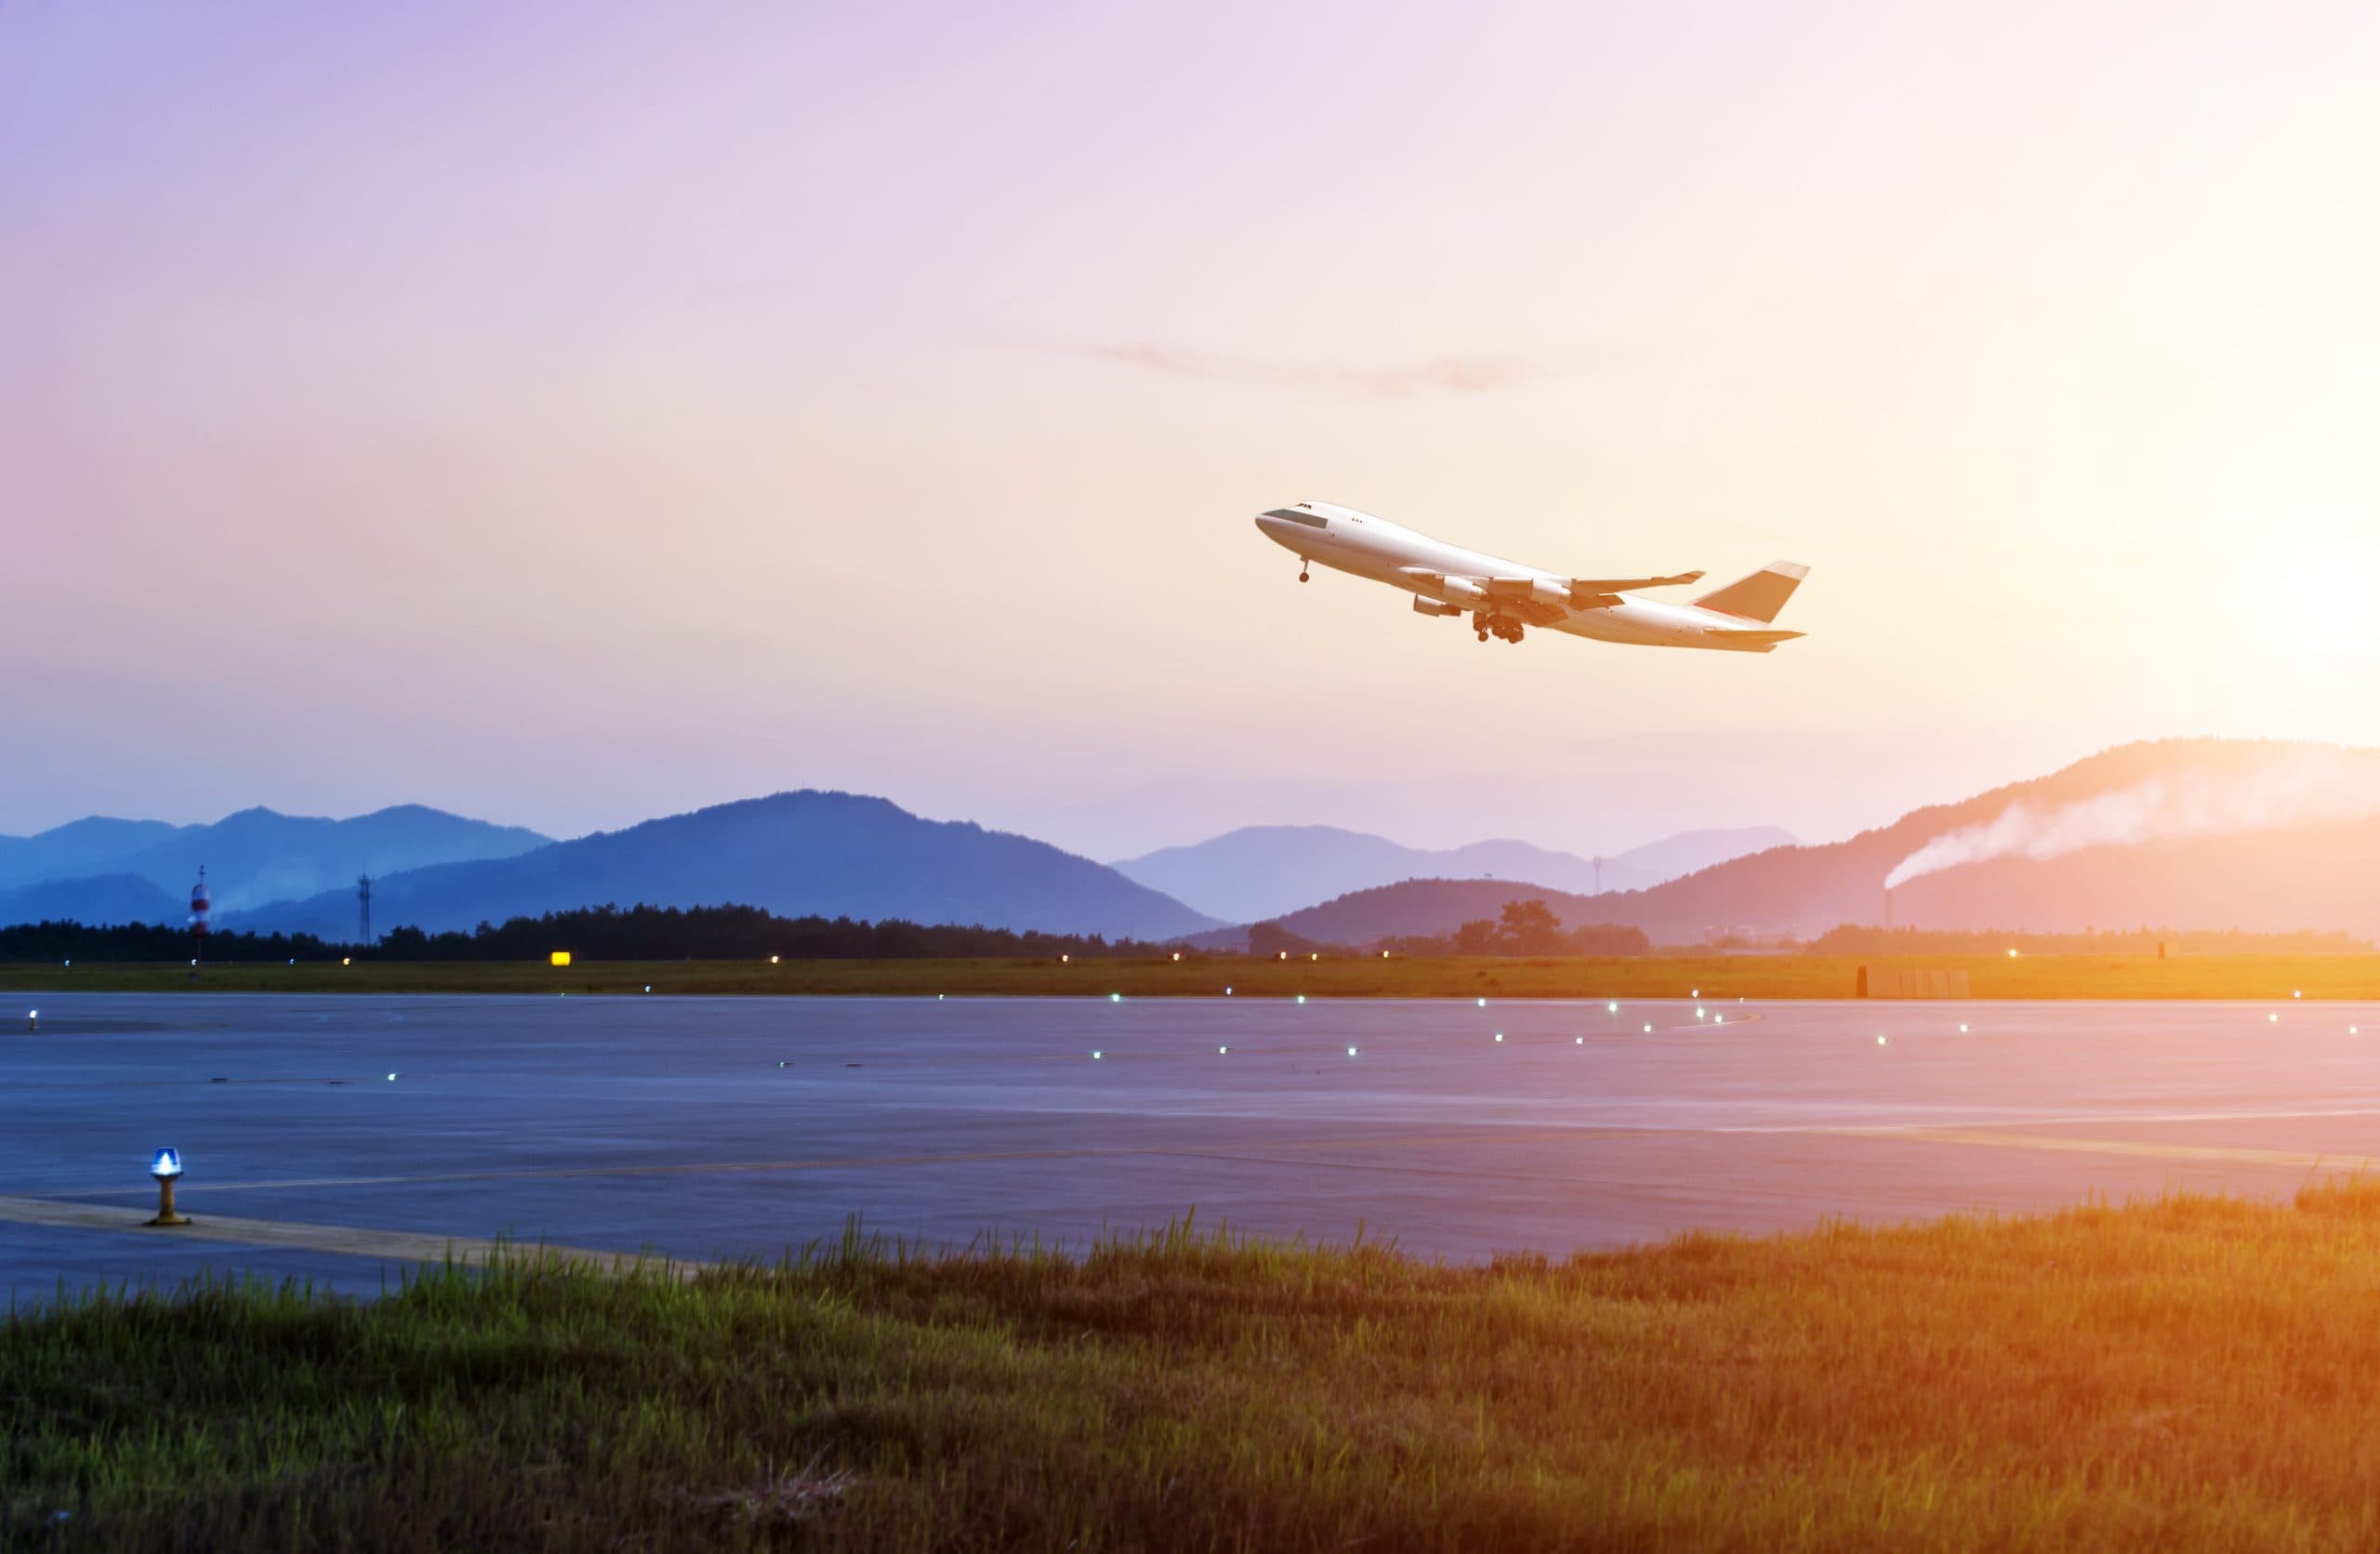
2186	1373
1718	976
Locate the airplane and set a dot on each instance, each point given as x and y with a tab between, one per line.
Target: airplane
1504	598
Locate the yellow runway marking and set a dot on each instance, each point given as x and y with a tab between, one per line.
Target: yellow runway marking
1225	1151
421	1247
2145	1150
405	1246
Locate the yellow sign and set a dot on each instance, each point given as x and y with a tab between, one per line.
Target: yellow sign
561	957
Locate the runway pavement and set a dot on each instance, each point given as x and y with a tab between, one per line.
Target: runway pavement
342	1139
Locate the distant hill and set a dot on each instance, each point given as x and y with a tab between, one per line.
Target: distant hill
1263	872
2190	834
791	854
1412	909
77	849
2264	836
104	898
252	857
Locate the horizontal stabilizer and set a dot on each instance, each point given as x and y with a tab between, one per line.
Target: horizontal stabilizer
1760	597
1750	641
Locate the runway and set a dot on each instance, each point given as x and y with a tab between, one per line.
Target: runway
342	1139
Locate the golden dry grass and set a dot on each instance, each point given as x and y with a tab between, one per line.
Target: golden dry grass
2192	1372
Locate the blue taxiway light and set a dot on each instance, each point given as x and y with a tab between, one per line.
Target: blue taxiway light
167	1164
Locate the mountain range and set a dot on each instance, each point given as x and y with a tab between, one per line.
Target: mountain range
142	871
792	854
1262	871
2198	834
2264	836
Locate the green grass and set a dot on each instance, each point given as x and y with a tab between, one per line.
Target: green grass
1717	976
2183	1373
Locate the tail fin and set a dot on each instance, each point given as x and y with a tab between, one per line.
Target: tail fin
1760	597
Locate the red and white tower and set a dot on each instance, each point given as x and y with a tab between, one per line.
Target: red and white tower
200	905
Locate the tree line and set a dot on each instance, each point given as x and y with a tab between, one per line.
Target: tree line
607	933
1857	939
1521	928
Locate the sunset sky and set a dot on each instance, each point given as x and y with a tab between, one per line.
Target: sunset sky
567	413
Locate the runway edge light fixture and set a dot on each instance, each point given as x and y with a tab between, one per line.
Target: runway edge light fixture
166	1166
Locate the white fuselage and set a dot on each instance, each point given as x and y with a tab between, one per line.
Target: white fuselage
1364	546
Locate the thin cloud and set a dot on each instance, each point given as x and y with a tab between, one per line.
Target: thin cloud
1432	375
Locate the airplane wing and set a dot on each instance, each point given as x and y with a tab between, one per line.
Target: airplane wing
1624	585
1584	593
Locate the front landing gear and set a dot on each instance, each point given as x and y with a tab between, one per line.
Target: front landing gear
1301	566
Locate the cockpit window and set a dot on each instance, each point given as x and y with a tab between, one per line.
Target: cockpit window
1294	517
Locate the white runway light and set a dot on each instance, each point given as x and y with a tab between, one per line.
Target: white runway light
1962	1030
1351	1052
1880	1041
1578	1040
1613	1009
1648	1031
1500	1035
1300	997
1222	1050
1115	998
1095	1057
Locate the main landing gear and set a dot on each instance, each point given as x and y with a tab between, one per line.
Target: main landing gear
1495	625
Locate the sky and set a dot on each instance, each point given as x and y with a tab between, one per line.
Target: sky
567	413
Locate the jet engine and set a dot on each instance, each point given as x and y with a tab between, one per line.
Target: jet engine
1433	607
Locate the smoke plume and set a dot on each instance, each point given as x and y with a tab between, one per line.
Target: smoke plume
2185	804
